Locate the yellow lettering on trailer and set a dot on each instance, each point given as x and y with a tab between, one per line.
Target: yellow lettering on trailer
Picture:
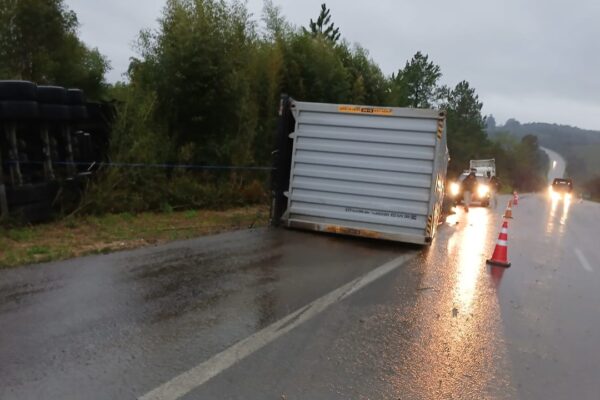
365	110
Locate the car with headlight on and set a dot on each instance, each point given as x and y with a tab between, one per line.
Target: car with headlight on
561	189
480	196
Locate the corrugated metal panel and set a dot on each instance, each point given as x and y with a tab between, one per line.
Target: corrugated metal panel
365	171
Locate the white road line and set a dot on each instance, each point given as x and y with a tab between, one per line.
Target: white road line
200	374
584	262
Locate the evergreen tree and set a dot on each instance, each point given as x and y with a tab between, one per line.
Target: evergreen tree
323	25
416	85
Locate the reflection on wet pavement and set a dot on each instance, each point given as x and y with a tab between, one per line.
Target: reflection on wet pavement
565	214
461	331
433	330
558	205
472	239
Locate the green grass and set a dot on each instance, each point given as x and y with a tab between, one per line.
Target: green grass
20	234
38	250
73	237
191	214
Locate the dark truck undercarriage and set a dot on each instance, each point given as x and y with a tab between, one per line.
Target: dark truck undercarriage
51	141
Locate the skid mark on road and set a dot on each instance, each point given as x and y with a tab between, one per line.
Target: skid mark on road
200	374
583	261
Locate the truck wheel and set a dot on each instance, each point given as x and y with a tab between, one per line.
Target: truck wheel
31	193
78	113
54	112
52	95
75	97
36	212
19	110
17	90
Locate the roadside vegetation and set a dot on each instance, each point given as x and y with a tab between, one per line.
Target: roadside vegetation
84	235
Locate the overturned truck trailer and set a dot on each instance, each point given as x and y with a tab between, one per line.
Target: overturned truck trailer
375	172
51	141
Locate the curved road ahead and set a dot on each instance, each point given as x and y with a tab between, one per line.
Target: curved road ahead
273	314
558	165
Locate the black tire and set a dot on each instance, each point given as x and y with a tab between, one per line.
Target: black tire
78	113
54	112
52	95
36	212
17	91
75	97
31	193
18	110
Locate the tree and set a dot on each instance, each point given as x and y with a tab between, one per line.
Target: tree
466	137
201	63
369	85
464	107
323	25
314	71
490	124
512	123
38	42
276	25
416	85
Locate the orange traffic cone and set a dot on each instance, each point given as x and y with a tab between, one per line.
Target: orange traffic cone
516	199
500	257
508	212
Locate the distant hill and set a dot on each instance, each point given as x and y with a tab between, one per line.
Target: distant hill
552	136
580	147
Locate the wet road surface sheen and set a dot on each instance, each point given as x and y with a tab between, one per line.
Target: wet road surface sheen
442	326
448	326
433	330
115	326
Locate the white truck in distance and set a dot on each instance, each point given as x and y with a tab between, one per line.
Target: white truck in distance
482	167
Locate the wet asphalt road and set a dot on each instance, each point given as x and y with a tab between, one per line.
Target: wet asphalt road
115	326
444	325
447	326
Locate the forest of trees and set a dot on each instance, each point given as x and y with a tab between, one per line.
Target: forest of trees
204	90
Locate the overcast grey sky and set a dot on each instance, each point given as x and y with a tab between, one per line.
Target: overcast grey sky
532	60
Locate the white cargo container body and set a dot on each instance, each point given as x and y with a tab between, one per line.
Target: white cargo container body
483	167
376	172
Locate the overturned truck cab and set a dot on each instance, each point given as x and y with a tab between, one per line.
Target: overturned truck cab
376	172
